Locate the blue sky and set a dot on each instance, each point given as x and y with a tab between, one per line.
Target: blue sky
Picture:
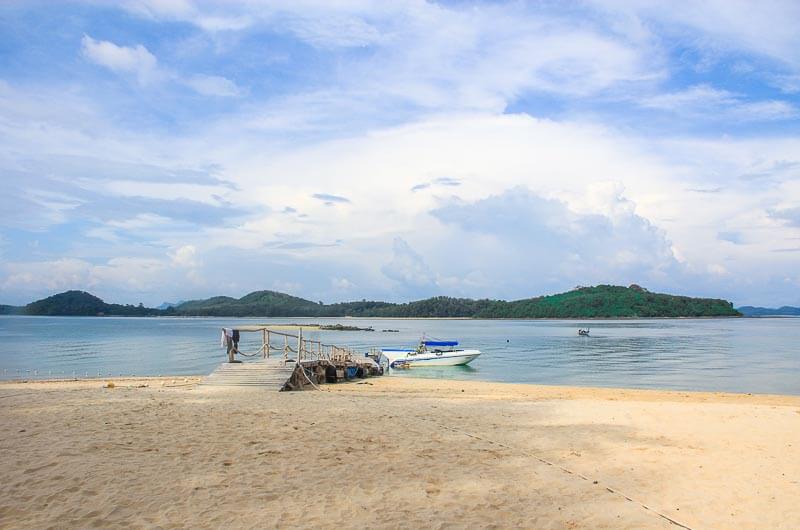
165	150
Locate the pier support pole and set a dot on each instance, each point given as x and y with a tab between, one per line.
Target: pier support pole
299	344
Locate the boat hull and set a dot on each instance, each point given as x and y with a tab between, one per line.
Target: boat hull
430	358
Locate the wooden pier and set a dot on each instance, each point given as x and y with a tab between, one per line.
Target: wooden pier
267	373
287	361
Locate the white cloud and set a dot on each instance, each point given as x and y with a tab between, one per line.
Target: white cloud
335	30
118	279
720	104
342	284
136	60
767	29
45	277
212	85
185	256
407	267
187	11
144	220
132	274
693	97
213	195
526	240
446	57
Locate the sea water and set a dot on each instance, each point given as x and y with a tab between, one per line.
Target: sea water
733	354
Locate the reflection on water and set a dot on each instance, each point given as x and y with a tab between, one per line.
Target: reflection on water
439	372
742	355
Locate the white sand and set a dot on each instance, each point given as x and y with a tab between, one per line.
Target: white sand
395	453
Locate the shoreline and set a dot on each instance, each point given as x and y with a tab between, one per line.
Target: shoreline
500	319
430	384
436	386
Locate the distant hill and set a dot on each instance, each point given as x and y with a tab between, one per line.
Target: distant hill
81	303
10	310
602	301
610	301
258	303
785	311
167	305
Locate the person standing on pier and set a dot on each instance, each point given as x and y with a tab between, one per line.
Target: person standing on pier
230	339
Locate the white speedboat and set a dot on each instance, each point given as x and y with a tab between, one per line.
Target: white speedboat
430	353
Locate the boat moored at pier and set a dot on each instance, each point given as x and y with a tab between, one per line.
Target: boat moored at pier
430	353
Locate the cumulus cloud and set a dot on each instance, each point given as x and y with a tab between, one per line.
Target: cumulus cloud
185	256
44	277
407	267
116	279
136	60
518	235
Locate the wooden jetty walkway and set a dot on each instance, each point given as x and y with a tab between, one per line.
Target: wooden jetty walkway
268	373
289	362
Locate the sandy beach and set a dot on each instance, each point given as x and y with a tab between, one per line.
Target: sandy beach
394	452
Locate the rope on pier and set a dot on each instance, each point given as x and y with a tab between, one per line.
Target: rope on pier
302	369
240	352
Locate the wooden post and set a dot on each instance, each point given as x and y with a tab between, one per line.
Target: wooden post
263	343
268	346
299	344
285	348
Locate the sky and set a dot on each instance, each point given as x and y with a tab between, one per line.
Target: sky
157	151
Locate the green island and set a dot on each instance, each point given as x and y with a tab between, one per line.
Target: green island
80	303
601	301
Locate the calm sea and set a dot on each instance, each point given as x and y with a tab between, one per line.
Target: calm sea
737	355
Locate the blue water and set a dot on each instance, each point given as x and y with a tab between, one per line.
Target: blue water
736	355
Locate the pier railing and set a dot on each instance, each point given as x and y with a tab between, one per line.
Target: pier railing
294	347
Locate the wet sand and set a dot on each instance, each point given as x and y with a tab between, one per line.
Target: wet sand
394	452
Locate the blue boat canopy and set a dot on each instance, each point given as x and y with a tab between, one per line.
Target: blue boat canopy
440	343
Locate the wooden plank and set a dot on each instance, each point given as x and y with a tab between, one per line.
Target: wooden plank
267	373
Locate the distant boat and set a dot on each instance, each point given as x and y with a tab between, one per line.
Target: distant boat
583	332
430	353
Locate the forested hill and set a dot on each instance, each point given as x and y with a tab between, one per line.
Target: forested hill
610	301
602	301
81	303
10	310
